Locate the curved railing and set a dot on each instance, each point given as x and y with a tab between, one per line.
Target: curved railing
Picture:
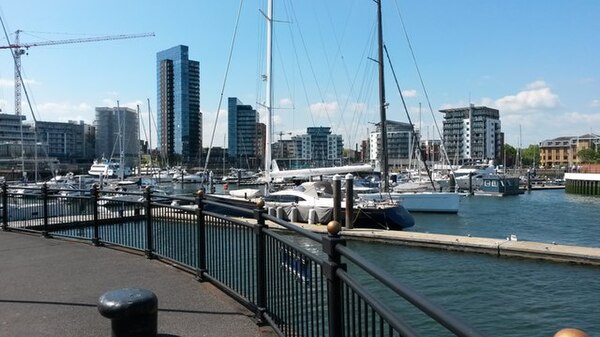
299	282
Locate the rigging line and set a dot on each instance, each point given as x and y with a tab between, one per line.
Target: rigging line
366	79
351	80
296	56
443	150
143	125
312	69
260	59
212	136
330	66
412	126
398	86
283	69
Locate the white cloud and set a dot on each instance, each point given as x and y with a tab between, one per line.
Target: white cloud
539	84
581	119
65	111
324	109
359	106
208	123
6	83
595	103
536	96
286	103
409	93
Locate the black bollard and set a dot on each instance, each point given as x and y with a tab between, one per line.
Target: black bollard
133	312
337	198
349	200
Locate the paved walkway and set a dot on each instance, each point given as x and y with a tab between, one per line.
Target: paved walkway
50	287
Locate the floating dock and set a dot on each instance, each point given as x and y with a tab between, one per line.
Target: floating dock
498	247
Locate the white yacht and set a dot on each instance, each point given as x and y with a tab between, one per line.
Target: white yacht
108	169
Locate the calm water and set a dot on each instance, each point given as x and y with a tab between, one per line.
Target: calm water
544	216
505	296
502	296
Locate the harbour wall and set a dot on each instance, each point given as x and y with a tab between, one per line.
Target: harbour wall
582	183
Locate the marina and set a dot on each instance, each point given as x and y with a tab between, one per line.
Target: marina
444	255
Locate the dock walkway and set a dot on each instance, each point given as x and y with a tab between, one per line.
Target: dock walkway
50	287
498	247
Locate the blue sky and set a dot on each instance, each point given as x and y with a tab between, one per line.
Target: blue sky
538	62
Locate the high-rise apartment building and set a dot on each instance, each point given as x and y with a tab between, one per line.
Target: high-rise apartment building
401	143
318	147
179	119
472	133
117	129
242	133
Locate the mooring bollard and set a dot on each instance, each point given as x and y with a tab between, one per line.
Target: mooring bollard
133	312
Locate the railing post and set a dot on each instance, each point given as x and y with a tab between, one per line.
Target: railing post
95	197
148	205
334	284
45	210
4	206
349	201
201	236
337	197
261	261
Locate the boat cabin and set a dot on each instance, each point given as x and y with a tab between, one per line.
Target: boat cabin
496	185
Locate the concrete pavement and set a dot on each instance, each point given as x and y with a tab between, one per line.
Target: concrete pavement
50	287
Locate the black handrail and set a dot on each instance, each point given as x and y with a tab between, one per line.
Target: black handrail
294	289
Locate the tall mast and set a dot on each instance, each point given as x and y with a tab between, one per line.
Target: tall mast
269	94
120	138
149	132
382	104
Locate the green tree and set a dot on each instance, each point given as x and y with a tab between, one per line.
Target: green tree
530	155
509	155
588	156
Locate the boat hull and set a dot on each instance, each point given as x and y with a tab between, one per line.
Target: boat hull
365	215
425	202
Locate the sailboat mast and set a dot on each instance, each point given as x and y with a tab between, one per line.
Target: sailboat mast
121	153
269	93
149	132
382	104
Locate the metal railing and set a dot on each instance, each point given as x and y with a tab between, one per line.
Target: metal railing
298	282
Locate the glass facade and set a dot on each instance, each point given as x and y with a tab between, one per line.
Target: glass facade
178	114
242	131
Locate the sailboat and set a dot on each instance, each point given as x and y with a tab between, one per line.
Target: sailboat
437	202
312	200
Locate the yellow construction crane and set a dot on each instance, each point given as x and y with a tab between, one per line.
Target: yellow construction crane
19	49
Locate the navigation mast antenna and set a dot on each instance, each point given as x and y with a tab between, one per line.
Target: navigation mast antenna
21	48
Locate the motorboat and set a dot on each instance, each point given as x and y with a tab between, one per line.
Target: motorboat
470	176
312	202
108	169
422	201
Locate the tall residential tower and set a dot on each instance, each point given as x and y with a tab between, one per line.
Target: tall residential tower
242	133
179	122
472	133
